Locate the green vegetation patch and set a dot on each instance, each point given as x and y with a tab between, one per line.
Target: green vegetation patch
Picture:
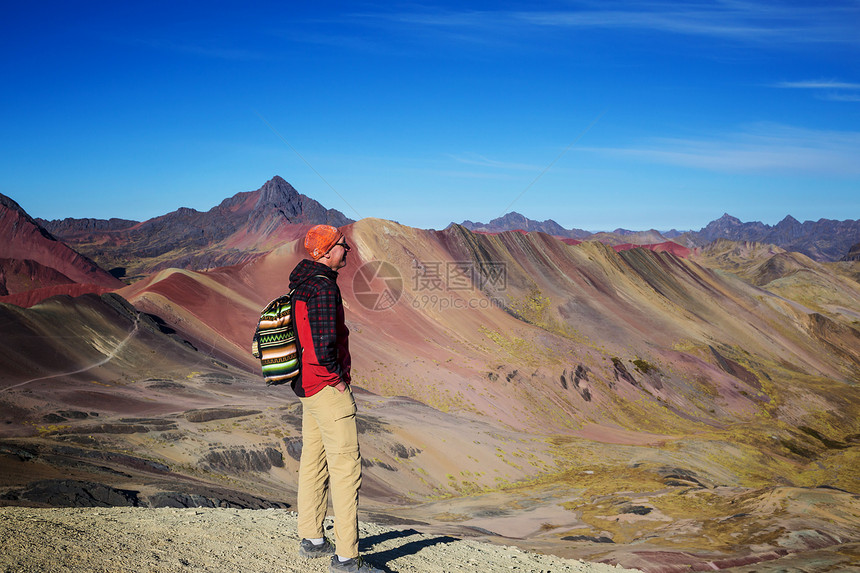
605	515
797	450
536	309
644	367
828	443
725	521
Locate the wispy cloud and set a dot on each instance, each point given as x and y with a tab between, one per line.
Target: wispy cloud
748	21
829	90
852	97
762	148
696	22
819	84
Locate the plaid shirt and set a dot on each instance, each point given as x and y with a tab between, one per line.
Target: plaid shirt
323	338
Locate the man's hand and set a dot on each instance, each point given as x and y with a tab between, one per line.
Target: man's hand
340	386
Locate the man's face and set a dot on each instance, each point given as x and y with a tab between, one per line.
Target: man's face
336	257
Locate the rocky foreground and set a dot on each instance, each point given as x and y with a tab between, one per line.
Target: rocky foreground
130	540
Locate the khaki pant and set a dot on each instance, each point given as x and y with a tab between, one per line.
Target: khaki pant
330	460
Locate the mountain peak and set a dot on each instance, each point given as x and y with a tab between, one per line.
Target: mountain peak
511	219
514	221
232	232
278	199
276	191
726	218
822	240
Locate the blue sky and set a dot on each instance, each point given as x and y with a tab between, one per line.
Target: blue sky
597	115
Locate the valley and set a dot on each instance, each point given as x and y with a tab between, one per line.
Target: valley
631	406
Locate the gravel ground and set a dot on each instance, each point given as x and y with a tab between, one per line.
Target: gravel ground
126	540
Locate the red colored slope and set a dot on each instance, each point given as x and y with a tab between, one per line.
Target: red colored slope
665	247
21	238
21	275
35	296
217	319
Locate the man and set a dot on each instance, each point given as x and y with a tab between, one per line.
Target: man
330	455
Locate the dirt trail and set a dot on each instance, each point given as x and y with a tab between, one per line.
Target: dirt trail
108	357
132	540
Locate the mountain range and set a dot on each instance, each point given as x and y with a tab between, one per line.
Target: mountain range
655	408
822	240
234	231
514	221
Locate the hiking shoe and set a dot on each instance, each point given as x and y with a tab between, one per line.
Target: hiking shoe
311	551
355	565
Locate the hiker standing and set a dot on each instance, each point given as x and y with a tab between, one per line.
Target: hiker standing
330	455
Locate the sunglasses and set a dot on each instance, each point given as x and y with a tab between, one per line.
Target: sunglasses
342	244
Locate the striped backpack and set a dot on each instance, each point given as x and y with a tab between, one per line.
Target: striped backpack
274	341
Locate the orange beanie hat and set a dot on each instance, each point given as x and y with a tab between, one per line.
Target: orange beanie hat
320	239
